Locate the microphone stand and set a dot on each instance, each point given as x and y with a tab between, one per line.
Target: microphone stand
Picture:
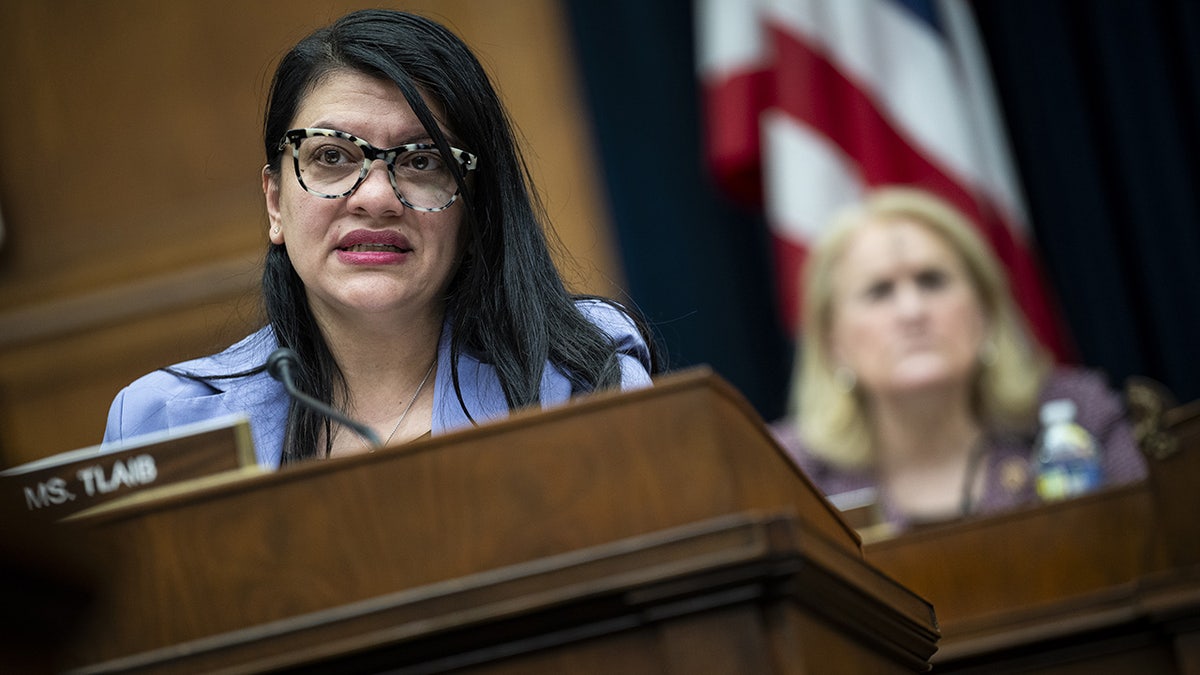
279	366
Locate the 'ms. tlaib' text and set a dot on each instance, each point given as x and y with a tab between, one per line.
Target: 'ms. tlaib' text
92	481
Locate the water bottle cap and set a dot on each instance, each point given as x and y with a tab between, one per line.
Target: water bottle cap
1056	411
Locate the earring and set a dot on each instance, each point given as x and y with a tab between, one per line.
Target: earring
988	353
275	230
845	379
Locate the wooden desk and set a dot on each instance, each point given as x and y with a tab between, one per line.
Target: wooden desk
660	530
1109	582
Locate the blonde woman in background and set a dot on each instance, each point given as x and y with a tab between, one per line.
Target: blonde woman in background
916	383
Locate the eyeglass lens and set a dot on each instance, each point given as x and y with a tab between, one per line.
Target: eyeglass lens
333	167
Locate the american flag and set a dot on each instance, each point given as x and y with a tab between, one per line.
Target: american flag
809	103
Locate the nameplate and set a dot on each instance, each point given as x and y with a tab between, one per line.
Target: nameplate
61	485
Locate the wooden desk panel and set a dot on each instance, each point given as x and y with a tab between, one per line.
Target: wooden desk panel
297	558
1109	582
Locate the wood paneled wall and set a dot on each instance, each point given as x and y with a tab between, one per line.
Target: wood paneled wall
130	191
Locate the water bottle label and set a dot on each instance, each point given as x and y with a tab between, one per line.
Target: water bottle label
1068	479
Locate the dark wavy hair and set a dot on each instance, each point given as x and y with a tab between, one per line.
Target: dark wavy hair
507	301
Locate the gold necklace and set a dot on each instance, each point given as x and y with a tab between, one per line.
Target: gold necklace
406	408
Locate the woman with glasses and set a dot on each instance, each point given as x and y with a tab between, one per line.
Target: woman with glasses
408	269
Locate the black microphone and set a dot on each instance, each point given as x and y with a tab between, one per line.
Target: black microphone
279	366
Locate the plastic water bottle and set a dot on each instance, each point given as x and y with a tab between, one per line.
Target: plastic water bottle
1068	458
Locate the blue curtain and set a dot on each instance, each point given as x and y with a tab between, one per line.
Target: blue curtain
696	265
1103	104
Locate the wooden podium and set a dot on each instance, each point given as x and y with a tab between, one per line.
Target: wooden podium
660	530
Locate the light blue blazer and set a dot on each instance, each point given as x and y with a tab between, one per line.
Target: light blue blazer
162	401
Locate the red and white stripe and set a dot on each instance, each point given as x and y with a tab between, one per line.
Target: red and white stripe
809	103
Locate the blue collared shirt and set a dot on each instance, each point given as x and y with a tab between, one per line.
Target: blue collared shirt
162	401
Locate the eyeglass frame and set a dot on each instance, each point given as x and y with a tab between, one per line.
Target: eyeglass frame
467	161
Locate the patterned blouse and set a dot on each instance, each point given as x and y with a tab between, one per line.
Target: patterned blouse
1007	460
